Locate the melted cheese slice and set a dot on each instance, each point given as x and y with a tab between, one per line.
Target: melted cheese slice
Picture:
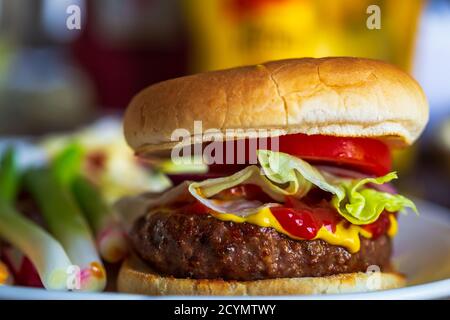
347	237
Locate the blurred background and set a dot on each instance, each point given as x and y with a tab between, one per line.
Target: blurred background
59	73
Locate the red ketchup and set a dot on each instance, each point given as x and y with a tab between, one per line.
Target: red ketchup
304	221
379	227
300	218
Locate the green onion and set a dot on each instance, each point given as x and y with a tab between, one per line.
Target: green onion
9	175
111	240
67	224
110	237
46	254
67	163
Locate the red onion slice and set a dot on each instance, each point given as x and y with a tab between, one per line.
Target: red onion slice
342	172
387	187
348	173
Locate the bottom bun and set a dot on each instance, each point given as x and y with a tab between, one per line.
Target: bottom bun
136	277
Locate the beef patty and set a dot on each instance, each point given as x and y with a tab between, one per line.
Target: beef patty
203	247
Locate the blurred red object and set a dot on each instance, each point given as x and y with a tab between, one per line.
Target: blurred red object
129	45
24	272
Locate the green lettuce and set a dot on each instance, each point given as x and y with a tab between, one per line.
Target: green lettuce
364	205
206	189
277	186
284	175
352	200
189	165
283	168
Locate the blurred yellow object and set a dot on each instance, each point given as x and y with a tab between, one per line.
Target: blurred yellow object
403	159
5	277
228	33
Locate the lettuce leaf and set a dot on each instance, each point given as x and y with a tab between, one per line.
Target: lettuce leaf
364	205
355	203
295	186
283	168
204	190
284	175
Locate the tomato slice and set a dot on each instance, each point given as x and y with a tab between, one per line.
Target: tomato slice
366	155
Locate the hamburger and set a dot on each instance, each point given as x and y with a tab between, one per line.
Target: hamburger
309	210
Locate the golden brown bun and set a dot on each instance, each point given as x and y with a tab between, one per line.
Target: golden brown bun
136	277
339	96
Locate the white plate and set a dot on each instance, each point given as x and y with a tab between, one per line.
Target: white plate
421	251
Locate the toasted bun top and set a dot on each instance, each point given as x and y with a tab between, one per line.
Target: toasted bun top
339	96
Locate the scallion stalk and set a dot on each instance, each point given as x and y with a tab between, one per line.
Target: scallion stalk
110	236
67	224
46	254
9	175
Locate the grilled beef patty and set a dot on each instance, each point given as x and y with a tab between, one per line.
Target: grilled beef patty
188	245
